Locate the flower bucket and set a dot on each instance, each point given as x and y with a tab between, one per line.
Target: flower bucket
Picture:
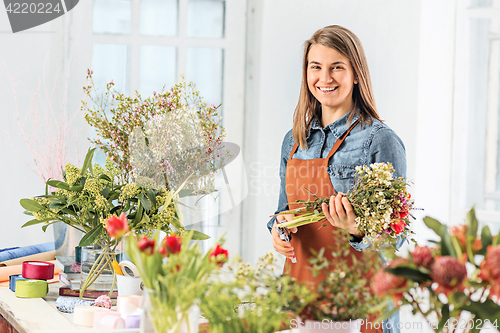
316	326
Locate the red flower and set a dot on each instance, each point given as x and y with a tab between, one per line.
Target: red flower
490	269
422	256
171	245
460	231
403	214
384	283
146	245
117	226
398	227
219	254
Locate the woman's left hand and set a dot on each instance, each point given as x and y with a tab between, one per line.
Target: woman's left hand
341	214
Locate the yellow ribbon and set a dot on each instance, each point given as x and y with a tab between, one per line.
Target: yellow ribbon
31	288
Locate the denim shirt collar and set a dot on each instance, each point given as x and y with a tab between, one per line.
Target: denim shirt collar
338	127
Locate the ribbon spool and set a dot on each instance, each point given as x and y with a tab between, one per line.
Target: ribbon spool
39	270
128	305
13	279
133	321
31	288
84	315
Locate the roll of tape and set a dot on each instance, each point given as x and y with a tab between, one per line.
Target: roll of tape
84	315
13	279
128	305
68	304
133	321
31	288
40	270
128	268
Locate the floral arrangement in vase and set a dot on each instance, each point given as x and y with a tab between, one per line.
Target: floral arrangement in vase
177	132
176	274
454	284
380	201
88	198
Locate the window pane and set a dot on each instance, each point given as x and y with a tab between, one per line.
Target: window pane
157	68
110	62
204	67
205	18
112	16
481	3
158	17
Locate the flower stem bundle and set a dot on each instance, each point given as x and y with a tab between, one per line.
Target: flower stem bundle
380	201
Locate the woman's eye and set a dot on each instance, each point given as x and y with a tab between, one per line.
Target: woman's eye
315	67
336	67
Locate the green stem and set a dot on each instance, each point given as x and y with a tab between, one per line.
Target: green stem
91	272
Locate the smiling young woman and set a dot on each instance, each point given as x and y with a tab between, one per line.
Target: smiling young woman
337	127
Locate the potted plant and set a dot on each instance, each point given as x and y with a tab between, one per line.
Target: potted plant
455	284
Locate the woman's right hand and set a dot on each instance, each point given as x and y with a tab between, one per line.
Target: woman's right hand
281	246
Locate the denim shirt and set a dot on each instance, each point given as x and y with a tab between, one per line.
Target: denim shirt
375	143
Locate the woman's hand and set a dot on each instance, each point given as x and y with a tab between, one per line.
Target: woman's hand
341	214
281	246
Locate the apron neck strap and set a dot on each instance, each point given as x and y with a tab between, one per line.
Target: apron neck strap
340	140
335	146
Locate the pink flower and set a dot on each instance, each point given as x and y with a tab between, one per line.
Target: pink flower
449	273
422	256
117	226
220	254
146	245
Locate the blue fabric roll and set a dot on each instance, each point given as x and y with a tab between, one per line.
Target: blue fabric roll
26	251
13	279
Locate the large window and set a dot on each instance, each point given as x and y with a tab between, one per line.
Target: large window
145	45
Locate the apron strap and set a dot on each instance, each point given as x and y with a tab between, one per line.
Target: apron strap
340	140
335	146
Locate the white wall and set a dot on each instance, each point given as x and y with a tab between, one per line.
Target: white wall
24	55
389	31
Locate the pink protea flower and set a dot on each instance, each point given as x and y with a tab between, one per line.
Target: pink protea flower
493	261
422	256
449	273
384	283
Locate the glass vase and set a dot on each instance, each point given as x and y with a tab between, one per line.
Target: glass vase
159	317
97	274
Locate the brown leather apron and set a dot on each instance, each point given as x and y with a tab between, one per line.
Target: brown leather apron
314	176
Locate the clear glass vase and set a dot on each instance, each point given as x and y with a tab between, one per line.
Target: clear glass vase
97	275
158	316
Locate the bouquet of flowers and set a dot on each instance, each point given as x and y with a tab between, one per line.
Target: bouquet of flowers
455	285
380	201
176	275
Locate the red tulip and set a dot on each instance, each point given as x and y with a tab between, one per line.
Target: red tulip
219	253
117	226
171	245
146	245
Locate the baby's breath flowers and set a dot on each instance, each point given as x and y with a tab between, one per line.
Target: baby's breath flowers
380	201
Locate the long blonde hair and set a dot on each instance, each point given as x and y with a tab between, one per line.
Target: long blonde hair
348	45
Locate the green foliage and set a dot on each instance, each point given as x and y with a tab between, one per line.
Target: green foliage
88	196
254	300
